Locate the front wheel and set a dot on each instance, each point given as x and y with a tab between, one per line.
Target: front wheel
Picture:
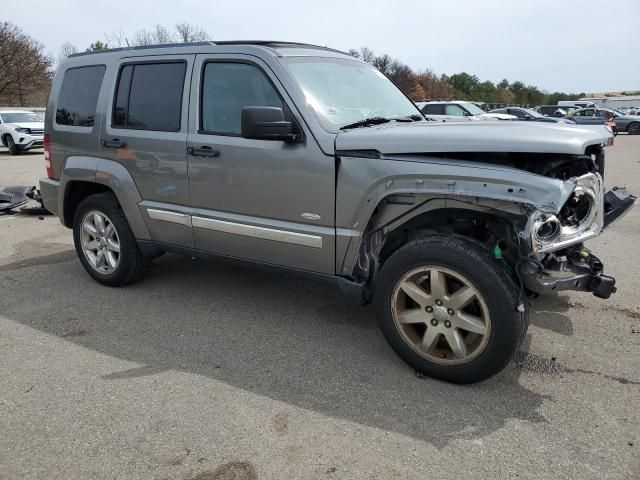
633	128
449	309
13	148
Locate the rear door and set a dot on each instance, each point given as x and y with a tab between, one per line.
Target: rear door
146	131
263	200
587	117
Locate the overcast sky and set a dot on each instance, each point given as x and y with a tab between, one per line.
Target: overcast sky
565	45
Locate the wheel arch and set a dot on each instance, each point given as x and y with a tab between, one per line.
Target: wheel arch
84	176
489	223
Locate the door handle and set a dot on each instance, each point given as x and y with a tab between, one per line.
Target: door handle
203	151
115	143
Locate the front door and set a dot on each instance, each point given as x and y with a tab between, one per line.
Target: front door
146	131
264	200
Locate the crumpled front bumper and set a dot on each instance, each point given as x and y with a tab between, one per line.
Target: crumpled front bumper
576	268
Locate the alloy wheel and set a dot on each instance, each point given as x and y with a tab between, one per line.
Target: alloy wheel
441	315
100	242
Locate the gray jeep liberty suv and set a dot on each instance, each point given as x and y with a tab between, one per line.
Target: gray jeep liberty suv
304	158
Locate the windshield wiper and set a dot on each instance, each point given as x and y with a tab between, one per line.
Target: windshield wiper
410	118
366	122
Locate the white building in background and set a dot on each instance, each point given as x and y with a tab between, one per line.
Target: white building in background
626	101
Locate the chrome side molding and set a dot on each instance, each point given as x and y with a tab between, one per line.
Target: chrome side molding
167	216
283	236
234	228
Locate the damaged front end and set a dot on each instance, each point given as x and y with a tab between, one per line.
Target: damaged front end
559	260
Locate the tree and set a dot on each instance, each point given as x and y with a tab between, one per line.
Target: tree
186	33
98	45
117	39
159	35
25	75
66	50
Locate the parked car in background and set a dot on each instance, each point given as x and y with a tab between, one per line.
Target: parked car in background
527	114
558	111
623	123
460	111
21	130
577	103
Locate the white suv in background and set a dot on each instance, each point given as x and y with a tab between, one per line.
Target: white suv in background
21	130
459	111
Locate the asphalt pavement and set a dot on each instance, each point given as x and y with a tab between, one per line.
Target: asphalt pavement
204	370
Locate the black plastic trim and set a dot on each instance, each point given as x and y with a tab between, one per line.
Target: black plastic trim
354	290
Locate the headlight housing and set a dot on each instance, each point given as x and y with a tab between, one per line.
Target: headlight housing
22	130
579	219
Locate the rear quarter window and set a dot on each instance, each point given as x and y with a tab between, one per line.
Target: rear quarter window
79	96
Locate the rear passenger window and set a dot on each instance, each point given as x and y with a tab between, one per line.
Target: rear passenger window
229	87
433	109
149	96
79	96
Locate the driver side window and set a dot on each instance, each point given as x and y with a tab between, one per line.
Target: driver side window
229	87
454	110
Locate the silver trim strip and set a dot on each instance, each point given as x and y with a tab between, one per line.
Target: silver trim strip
284	236
172	217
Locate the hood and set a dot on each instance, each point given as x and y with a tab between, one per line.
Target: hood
425	137
501	116
34	125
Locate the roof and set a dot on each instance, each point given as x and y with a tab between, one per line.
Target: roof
273	44
16	111
447	101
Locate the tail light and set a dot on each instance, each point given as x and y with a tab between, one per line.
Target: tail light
47	155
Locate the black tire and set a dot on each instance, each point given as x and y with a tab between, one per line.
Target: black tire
633	128
490	278
13	148
131	263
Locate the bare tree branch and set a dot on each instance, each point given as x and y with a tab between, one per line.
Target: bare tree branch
24	68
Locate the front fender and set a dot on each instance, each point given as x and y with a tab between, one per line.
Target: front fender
428	178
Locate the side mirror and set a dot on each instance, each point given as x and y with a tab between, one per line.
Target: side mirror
266	123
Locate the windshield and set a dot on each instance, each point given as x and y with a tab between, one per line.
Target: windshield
473	109
343	91
19	117
614	111
533	113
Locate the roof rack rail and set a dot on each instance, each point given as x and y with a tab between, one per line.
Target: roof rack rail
277	43
143	47
263	43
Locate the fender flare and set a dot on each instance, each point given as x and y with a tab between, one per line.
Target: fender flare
112	175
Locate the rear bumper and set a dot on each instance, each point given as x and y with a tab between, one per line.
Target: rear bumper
49	190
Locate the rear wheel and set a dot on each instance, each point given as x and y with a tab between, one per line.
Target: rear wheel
13	148
104	242
633	128
449	310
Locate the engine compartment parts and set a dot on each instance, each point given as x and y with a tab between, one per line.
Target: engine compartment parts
576	269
